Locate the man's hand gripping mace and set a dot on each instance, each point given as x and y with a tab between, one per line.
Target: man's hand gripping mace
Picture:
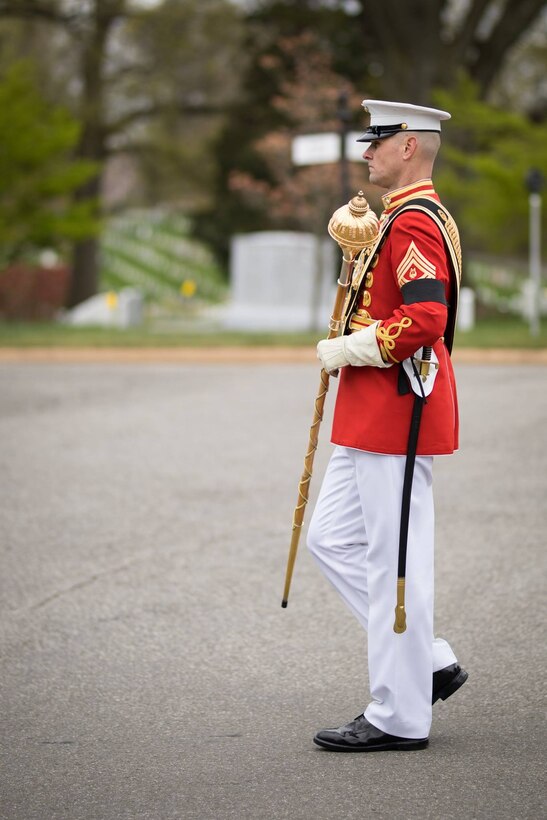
355	228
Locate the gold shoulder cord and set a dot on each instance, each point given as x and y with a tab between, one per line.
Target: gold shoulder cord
448	228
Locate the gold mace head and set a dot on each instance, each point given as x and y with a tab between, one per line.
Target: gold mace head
355	225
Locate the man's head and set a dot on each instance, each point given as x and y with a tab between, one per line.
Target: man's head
402	142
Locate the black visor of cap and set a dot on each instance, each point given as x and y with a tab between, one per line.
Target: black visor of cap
378	132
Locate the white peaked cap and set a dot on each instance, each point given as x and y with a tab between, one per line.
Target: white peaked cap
388	118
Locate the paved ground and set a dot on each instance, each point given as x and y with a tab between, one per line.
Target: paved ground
148	669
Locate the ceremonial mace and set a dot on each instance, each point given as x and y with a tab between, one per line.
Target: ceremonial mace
354	227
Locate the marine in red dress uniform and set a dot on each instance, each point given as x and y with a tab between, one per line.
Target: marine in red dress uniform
405	298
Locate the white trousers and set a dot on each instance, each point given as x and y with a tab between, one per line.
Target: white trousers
354	536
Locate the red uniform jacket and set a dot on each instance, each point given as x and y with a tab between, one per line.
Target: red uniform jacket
370	414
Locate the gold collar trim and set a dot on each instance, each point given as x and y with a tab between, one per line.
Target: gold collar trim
391	200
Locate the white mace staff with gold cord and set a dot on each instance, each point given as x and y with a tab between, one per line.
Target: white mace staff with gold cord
354	227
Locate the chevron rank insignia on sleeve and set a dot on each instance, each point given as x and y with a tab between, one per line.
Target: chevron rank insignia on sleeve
414	265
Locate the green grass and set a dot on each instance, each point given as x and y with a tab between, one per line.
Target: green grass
504	332
52	335
501	332
153	251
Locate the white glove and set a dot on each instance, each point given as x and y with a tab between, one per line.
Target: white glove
331	354
358	349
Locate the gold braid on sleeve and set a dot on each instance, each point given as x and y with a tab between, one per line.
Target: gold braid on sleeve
387	336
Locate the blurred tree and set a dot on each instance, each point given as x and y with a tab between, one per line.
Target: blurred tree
258	111
178	67
300	198
403	50
38	172
145	81
521	85
484	162
391	50
416	46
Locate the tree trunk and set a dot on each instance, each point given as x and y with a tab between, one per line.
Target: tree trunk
85	258
85	271
405	41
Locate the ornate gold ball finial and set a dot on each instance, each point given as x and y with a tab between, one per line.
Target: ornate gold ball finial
355	225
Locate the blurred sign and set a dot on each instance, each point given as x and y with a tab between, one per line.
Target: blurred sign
317	149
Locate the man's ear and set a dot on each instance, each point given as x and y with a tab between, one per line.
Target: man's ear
409	147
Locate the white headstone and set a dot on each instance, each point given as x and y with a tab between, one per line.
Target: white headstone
466	310
123	309
281	281
130	307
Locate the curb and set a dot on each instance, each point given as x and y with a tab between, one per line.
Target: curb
232	355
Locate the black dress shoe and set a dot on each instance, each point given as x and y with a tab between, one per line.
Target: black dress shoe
362	736
447	681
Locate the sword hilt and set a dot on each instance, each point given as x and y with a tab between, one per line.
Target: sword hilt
425	363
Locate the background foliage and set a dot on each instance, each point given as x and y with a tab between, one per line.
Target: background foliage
485	162
37	171
192	105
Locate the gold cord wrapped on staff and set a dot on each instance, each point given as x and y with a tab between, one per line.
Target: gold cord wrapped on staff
354	227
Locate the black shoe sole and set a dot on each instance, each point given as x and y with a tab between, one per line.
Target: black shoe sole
397	746
452	686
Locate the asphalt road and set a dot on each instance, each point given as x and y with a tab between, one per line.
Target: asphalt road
148	670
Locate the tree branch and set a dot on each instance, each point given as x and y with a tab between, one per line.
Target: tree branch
27	9
131	149
513	23
155	109
49	11
467	32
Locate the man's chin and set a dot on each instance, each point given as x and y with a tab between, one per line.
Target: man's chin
374	179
